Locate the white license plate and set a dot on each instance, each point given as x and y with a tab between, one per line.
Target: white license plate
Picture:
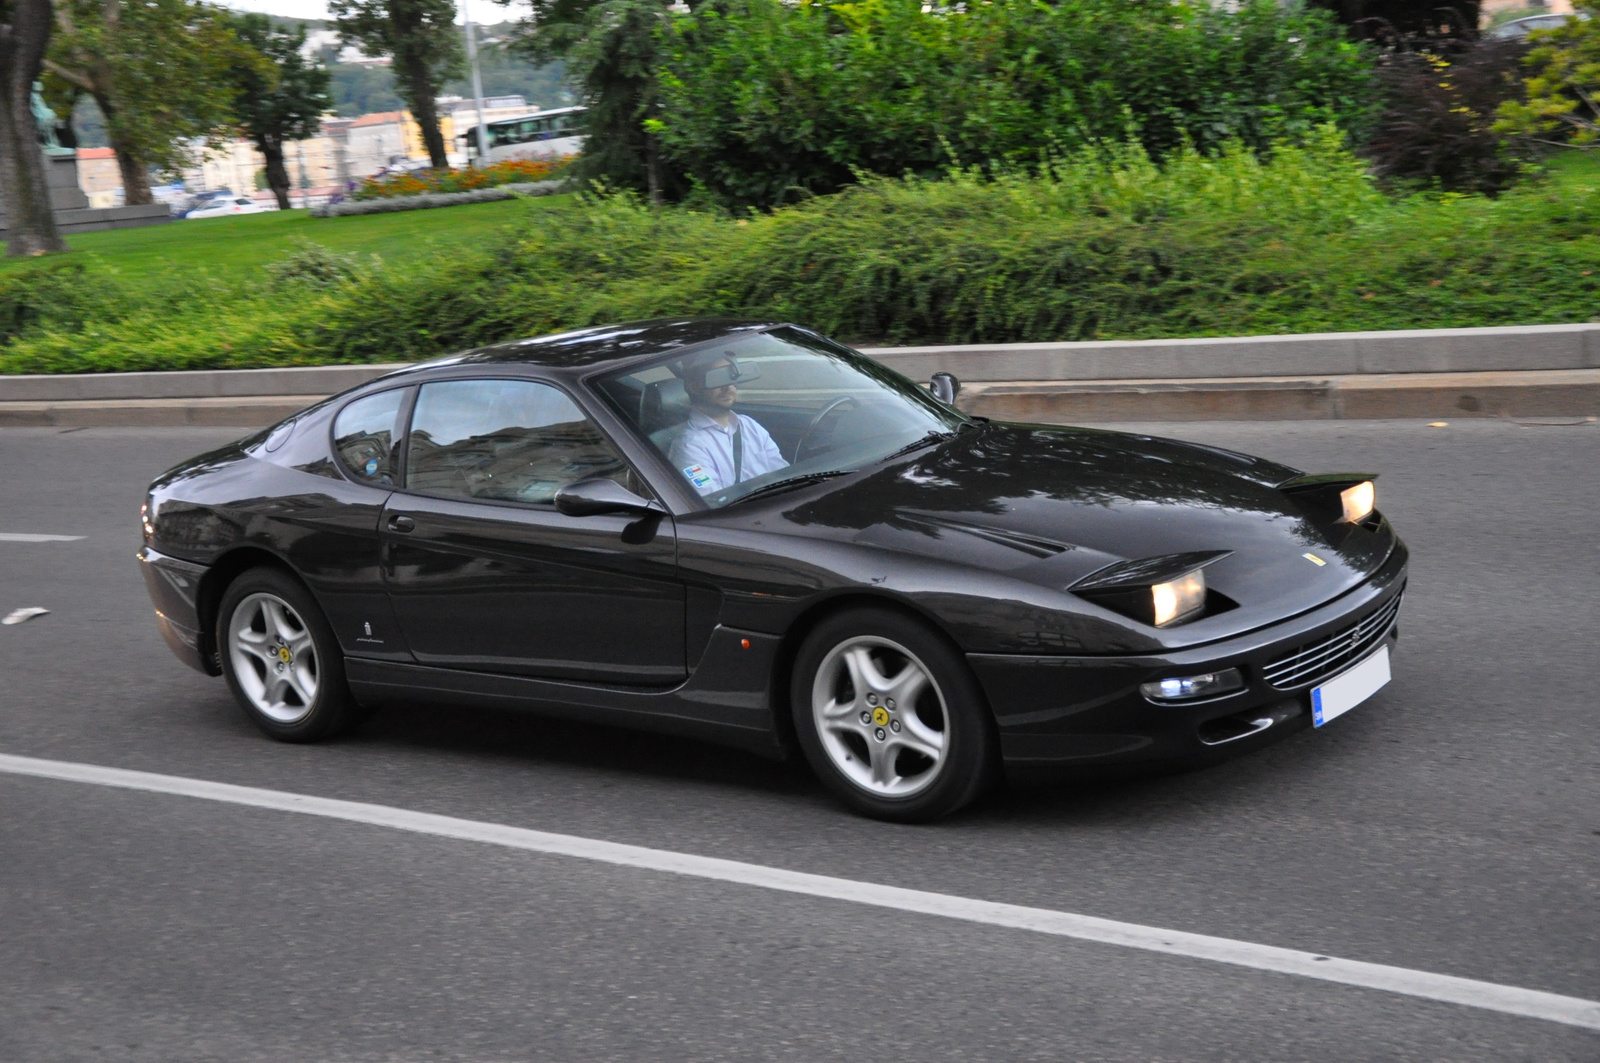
1344	692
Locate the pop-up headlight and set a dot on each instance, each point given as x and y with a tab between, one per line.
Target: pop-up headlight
1177	599
1334	498
1358	501
1156	590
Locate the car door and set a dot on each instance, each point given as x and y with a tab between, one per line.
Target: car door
486	575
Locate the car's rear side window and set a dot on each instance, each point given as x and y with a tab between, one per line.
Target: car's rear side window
365	435
506	440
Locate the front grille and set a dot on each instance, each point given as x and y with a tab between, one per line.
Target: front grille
1317	661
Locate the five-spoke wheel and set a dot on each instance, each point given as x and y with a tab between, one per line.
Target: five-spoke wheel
273	657
880	716
280	658
890	716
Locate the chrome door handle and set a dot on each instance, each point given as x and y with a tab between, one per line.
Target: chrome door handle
401	524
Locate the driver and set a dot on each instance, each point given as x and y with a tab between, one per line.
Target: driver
719	447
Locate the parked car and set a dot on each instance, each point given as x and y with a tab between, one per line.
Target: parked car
226	207
180	207
748	533
1521	27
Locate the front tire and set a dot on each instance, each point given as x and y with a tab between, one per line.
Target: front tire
280	658
890	717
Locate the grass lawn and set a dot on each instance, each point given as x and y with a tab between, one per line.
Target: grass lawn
234	249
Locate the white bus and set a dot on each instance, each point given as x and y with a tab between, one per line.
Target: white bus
540	135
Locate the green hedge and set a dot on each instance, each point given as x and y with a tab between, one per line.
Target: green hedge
765	100
1102	245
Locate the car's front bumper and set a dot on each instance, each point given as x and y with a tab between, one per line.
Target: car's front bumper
1058	715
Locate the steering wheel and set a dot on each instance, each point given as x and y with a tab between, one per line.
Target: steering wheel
811	428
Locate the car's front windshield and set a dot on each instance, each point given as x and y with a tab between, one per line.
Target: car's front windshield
763	408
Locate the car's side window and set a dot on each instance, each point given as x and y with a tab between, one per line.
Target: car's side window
365	435
507	440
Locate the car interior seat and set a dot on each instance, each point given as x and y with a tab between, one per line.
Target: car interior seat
663	412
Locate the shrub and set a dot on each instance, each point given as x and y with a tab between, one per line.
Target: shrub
1438	123
423	182
54	295
763	100
1563	97
313	265
1101	243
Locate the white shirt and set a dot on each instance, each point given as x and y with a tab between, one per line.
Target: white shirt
704	452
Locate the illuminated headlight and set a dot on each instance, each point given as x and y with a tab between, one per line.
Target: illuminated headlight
1179	598
1358	501
1190	687
147	518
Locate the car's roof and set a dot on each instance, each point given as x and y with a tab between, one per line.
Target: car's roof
601	345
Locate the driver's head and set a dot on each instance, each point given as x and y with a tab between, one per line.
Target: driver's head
709	380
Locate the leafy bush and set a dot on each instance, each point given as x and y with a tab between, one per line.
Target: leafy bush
1438	124
54	295
1563	97
422	182
313	265
763	99
1095	244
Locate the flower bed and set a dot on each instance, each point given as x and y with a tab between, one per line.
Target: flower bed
425	182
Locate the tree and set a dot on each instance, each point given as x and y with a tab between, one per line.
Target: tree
279	95
24	193
422	37
612	50
159	71
1563	95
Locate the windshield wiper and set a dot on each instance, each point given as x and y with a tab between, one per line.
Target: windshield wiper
789	484
927	440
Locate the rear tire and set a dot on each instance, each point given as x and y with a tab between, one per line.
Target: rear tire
281	660
890	716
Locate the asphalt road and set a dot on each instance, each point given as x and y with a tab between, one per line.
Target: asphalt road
1451	824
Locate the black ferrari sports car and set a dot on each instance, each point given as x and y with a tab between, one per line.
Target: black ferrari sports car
750	534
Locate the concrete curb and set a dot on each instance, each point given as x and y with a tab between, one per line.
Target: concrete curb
1470	350
1538	370
1548	393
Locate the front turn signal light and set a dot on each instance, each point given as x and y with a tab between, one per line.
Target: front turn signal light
1358	501
1178	598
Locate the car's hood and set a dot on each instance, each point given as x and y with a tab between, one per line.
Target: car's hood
1052	505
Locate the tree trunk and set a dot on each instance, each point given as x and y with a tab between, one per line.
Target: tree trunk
277	173
426	112
135	174
24	192
652	169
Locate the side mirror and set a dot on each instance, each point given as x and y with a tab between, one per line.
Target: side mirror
596	495
945	387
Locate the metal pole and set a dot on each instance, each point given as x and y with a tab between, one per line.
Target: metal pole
300	153
477	84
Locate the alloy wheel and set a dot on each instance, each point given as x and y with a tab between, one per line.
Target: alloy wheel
881	717
274	657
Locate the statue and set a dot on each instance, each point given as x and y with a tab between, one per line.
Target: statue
45	119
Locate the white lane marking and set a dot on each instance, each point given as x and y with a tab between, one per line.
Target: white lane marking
23	537
1490	996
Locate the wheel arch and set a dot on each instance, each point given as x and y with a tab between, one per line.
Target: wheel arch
807	622
214	584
